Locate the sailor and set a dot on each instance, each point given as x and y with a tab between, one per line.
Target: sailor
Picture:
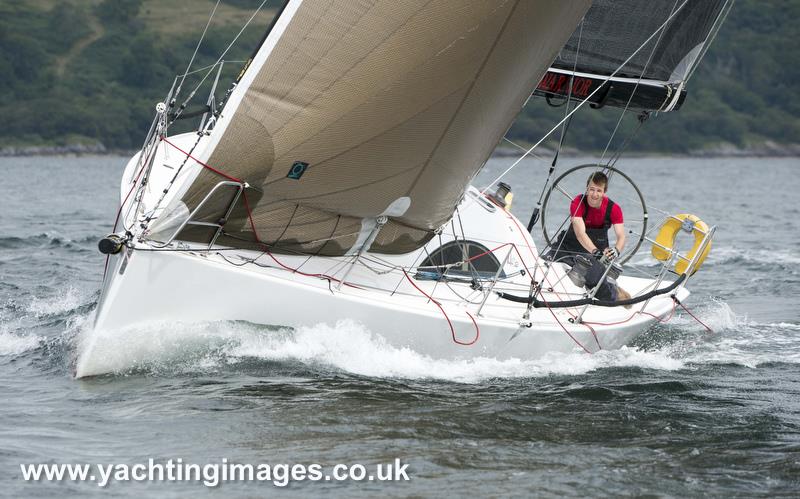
591	214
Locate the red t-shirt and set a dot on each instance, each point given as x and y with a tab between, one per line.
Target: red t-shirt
596	216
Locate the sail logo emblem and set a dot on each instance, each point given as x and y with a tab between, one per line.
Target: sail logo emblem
297	170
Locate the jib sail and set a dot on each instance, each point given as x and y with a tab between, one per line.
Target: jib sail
351	111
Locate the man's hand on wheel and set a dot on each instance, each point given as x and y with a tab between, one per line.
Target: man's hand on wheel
611	253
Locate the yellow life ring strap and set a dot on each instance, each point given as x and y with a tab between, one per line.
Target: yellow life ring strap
665	241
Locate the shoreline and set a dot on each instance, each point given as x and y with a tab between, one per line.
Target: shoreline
765	150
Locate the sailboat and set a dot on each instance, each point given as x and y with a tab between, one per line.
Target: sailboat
334	182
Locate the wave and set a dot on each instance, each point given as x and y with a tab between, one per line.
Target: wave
67	300
725	255
728	254
46	240
782	325
349	347
166	348
734	339
44	326
12	344
346	346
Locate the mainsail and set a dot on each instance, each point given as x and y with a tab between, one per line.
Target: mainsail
351	111
613	30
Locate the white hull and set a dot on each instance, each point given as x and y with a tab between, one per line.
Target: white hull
189	283
187	287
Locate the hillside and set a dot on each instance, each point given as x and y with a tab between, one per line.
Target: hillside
91	71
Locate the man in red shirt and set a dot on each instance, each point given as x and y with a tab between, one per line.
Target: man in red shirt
591	215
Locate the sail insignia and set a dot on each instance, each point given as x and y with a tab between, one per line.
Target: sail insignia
297	170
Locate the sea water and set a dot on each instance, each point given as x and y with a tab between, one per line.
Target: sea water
681	412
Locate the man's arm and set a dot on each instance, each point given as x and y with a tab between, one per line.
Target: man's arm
619	231
579	226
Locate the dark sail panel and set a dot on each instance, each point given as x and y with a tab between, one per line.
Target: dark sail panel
612	31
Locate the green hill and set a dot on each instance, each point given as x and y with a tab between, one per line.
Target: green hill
84	71
93	70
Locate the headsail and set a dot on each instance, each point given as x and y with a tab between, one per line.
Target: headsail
613	30
353	110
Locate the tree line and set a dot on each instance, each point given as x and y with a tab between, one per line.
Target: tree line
76	71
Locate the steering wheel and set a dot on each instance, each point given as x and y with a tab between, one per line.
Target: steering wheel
570	184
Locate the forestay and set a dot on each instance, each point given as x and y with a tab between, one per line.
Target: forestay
353	110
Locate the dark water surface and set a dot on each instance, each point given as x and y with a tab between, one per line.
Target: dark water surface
682	412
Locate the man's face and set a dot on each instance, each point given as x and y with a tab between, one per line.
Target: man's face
594	194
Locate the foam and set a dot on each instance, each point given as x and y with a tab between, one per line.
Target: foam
716	314
738	340
66	300
345	346
348	346
782	325
11	344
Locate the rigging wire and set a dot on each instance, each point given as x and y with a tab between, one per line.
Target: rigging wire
219	59
196	48
635	87
627	141
585	100
565	127
535	214
212	66
712	35
521	148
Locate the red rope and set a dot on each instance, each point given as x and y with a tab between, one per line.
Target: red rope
477	331
659	319
514	246
234	179
534	255
594	334
695	318
447	318
550	309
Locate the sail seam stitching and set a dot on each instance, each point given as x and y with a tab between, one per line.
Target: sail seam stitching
466	96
